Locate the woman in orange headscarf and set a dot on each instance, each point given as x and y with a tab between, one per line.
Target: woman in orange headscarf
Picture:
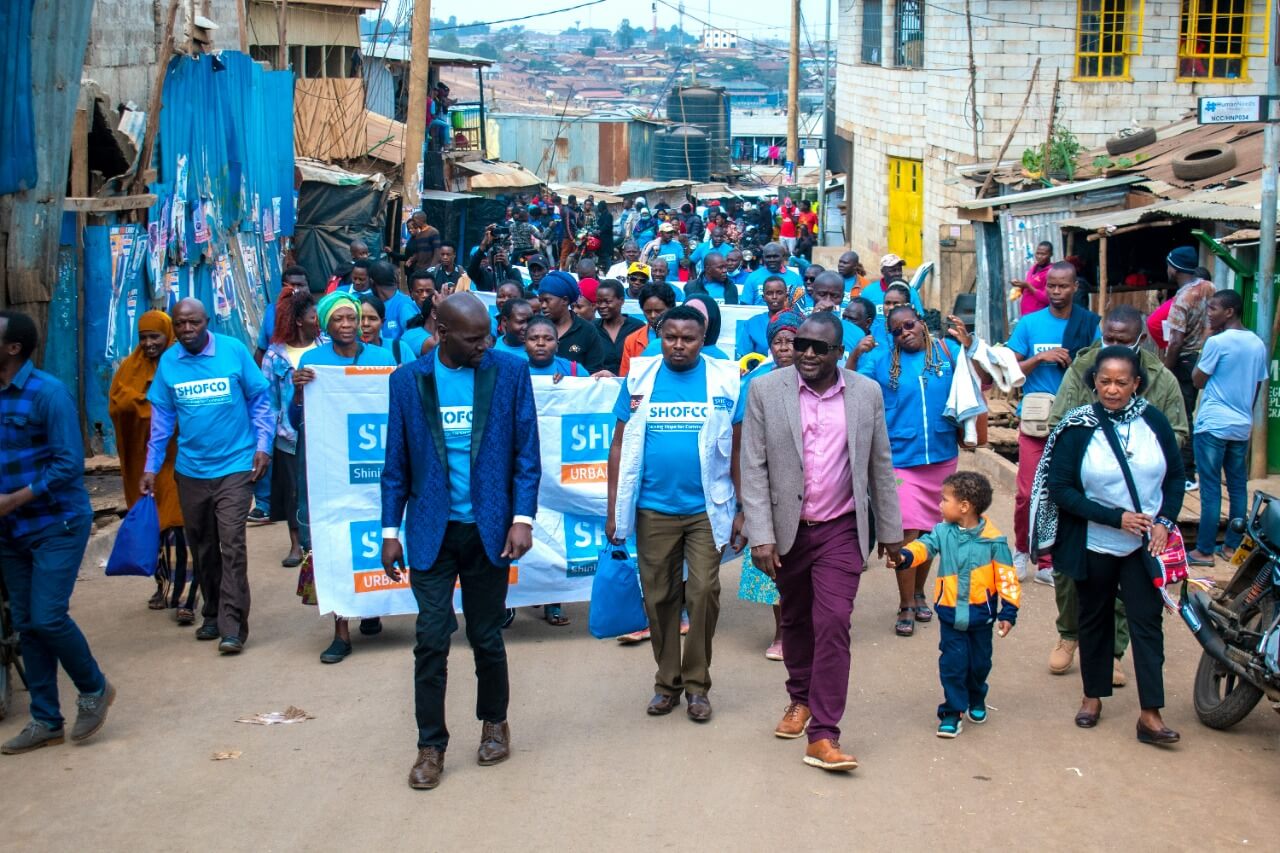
131	416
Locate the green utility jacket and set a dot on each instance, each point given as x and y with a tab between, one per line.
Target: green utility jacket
1162	390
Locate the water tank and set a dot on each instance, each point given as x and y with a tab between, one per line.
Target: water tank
680	153
708	109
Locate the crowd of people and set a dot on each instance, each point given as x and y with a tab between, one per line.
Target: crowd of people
821	432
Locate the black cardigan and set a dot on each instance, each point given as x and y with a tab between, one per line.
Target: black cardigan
1075	510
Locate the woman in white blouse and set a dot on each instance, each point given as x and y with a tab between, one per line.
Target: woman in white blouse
1085	513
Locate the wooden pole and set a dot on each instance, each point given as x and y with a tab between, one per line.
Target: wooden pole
1048	134
1035	73
282	33
1102	277
243	24
153	107
80	186
793	90
415	123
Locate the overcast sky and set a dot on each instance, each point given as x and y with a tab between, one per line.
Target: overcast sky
751	18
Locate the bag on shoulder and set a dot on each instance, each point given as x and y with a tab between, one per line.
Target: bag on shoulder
1035	414
617	602
137	547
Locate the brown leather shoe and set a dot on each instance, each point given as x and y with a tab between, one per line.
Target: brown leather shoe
426	771
794	721
662	704
495	743
699	709
826	754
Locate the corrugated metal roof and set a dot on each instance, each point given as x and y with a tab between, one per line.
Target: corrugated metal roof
1050	192
1234	204
403	53
488	175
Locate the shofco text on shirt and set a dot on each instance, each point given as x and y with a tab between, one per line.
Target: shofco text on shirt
203	392
456	419
677	413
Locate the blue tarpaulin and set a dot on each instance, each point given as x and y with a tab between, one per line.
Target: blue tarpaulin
224	198
17	119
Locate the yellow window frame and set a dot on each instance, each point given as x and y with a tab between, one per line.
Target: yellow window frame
1217	38
1108	33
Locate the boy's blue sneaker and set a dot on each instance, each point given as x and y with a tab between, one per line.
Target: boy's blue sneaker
950	726
978	714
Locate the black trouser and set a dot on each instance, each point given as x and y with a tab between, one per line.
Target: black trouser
484	602
1143	604
1182	370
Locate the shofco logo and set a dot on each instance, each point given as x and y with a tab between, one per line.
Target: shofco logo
456	419
584	448
677	417
203	392
584	539
366	447
366	559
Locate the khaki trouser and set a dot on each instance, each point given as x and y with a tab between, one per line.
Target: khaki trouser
664	543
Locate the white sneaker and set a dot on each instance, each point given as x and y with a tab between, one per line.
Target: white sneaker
1044	576
1021	563
1192	485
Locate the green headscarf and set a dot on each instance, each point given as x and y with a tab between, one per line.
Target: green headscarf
332	302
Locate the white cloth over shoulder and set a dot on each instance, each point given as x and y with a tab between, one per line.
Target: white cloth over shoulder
1000	363
965	401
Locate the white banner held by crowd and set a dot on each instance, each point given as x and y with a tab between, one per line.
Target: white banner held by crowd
347	422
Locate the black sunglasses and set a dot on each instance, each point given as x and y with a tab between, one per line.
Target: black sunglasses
907	325
820	348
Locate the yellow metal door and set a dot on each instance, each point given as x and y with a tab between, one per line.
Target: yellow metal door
906	209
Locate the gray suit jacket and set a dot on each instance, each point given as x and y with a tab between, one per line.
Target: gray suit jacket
773	453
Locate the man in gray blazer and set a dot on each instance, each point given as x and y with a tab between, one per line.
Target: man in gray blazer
816	468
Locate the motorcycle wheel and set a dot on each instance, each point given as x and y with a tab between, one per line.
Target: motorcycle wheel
1222	698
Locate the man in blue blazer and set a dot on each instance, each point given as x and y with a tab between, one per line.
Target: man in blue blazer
462	455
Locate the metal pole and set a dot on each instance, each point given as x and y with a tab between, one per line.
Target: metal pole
1266	256
793	90
826	134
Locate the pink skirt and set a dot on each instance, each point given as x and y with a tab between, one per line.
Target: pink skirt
920	492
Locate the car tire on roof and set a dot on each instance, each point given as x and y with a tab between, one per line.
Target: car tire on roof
1130	139
1204	161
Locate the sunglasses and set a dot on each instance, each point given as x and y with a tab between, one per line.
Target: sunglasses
820	348
636	278
907	325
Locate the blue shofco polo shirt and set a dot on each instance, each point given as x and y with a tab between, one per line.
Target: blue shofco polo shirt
671	481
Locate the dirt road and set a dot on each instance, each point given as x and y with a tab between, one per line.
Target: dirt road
590	770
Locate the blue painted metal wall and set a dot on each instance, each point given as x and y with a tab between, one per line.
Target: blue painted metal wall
17	122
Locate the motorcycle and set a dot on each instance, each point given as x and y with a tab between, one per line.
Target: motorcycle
1239	625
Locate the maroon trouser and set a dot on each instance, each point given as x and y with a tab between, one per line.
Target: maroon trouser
818	582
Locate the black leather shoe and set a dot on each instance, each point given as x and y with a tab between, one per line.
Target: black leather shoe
699	707
662	704
1085	720
207	632
1162	736
426	771
495	743
231	646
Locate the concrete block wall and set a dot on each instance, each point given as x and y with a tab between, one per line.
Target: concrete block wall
923	113
123	39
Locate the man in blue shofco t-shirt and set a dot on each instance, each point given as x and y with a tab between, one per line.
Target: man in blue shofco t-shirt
670	480
1043	357
210	389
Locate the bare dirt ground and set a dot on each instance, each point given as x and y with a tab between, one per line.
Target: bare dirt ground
590	771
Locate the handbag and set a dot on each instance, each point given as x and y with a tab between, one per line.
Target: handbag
1034	417
1171	566
617	602
137	547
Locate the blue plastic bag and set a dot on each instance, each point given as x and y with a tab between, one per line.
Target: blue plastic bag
137	548
617	603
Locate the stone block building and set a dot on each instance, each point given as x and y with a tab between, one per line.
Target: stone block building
903	83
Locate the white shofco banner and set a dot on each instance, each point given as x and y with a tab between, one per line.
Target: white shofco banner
346	447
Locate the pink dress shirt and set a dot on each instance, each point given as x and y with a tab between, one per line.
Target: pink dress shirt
1034	295
828	480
